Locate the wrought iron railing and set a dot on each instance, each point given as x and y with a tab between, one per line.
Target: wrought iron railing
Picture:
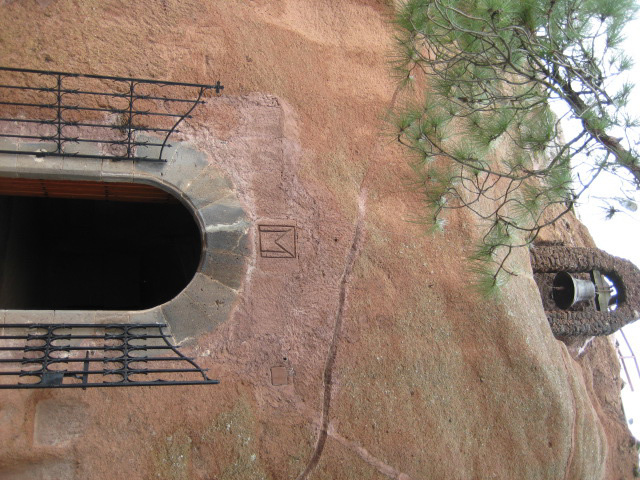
630	356
93	355
69	110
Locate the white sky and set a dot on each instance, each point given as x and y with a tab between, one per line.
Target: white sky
620	236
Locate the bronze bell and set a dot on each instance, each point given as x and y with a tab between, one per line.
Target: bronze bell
567	291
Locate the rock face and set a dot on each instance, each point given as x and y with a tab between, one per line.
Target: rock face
362	353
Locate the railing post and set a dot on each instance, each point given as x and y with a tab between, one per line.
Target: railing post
132	86
59	124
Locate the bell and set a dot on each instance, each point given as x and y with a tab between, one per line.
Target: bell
567	291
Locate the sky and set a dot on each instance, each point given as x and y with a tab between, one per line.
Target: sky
620	236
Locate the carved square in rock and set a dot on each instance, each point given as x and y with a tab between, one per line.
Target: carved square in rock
277	241
279	376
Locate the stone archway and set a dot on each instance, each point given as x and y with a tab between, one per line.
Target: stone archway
204	190
587	321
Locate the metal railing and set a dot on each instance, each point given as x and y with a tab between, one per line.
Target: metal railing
630	356
93	355
69	110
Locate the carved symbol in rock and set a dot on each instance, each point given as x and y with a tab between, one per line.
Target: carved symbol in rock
277	241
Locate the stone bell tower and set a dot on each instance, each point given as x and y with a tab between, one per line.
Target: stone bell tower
595	316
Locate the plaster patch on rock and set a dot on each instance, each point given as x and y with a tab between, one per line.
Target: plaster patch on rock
58	422
279	376
47	470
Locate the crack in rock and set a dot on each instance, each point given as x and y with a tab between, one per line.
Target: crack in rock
363	453
333	347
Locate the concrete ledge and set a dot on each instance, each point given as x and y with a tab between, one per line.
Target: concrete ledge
77	168
29	316
38	167
8	162
102	317
153	315
117	171
74	316
81	168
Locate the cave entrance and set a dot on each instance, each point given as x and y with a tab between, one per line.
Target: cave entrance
71	245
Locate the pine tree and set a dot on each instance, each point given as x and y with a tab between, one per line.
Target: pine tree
480	128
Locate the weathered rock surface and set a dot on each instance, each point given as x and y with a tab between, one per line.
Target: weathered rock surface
393	368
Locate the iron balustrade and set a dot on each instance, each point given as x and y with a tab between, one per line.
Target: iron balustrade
623	358
63	109
93	355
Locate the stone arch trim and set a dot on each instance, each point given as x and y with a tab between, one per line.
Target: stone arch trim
190	176
626	276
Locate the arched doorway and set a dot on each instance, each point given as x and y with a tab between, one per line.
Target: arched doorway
86	245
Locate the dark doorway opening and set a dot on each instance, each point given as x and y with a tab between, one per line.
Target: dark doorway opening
98	251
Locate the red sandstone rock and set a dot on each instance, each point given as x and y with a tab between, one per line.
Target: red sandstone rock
396	370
